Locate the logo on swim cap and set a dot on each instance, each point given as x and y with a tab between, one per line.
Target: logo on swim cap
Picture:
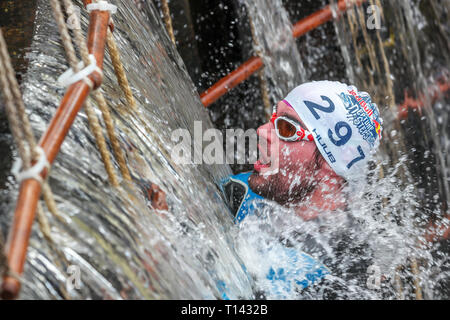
345	123
363	114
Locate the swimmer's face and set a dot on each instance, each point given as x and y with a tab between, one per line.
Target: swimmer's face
285	171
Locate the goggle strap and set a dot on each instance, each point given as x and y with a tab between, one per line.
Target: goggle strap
274	117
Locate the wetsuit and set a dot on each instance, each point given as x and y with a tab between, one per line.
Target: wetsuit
242	202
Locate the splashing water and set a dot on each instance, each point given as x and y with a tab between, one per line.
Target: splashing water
382	230
126	250
122	248
274	41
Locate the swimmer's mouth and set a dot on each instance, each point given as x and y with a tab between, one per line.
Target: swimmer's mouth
264	160
258	165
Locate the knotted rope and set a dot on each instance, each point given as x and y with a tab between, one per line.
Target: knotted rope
355	18
261	74
19	123
168	19
98	95
119	70
22	132
94	124
93	120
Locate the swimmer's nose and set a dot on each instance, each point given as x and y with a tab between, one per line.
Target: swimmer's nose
265	131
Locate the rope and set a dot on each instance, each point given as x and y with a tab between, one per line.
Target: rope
64	33
120	157
415	271
93	121
398	283
370	48
17	121
14	275
15	127
353	21
119	70
10	106
96	129
265	94
102	104
168	19
261	76
22	132
44	226
387	71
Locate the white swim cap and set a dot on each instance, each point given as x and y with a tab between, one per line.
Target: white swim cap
345	123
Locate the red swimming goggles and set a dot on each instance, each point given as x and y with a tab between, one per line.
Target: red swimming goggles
289	130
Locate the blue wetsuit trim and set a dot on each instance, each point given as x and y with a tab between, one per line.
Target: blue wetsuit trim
248	204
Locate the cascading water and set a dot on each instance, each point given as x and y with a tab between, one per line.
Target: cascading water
411	62
122	248
274	42
126	250
385	222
